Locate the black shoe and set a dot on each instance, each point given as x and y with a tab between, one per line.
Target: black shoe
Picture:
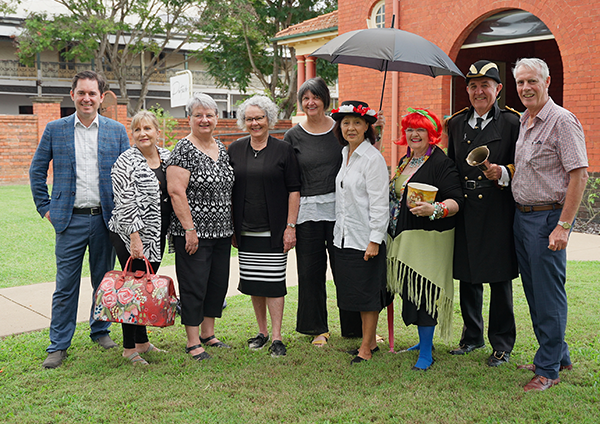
215	344
357	360
277	349
466	348
354	352
258	342
499	357
200	356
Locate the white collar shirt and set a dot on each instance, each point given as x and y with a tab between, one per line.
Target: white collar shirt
488	118
361	199
87	192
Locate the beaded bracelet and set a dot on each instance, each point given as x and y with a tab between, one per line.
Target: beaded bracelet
440	210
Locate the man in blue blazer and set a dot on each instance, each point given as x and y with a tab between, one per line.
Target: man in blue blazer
82	148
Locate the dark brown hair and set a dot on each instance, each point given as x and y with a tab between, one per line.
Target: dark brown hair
369	134
91	75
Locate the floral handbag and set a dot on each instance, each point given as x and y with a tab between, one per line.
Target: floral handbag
141	298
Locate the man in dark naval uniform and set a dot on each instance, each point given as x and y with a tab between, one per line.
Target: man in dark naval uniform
484	250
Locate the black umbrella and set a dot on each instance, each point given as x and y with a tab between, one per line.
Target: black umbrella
388	49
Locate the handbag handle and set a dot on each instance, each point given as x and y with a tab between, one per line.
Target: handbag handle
138	274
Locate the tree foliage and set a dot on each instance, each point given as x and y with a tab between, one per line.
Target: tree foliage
8	6
116	34
241	45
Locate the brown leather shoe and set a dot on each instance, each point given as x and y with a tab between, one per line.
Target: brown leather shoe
531	367
540	383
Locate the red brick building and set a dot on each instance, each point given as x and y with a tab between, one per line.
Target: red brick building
563	33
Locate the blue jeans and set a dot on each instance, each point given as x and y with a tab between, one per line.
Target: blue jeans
543	273
71	244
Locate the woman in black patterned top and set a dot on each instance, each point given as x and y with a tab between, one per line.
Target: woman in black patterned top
200	184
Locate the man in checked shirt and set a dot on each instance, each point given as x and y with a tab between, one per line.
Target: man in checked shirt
550	177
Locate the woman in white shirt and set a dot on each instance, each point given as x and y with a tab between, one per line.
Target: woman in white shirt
361	221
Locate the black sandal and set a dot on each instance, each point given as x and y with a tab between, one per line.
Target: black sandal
199	357
217	344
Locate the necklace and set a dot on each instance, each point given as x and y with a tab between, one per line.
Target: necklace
256	152
416	162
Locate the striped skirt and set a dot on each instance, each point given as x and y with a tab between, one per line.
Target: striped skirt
262	268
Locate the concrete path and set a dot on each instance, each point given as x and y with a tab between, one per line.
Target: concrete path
28	308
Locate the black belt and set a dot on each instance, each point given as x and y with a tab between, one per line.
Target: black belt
540	208
88	211
472	184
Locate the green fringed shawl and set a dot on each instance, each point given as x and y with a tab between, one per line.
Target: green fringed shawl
423	260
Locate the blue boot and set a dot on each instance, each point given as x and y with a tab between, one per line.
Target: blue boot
425	343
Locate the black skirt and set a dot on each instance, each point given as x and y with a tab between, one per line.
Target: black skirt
360	284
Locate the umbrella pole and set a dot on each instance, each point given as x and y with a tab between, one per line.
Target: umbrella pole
383	88
390	317
386	68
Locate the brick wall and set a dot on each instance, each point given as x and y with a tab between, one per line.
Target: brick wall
572	57
20	136
18	141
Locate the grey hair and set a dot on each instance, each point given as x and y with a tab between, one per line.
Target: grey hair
534	64
263	103
201	100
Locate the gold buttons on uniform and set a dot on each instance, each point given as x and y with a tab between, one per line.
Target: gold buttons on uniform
468	141
480	196
479	178
466	195
466	178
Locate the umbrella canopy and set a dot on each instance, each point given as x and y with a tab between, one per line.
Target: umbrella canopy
388	49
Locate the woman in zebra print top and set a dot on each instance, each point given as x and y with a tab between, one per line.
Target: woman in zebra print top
141	215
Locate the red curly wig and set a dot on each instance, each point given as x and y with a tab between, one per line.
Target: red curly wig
420	120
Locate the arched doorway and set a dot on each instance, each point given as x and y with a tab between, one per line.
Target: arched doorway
503	38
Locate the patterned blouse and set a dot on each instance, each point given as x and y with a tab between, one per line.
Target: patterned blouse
208	192
137	201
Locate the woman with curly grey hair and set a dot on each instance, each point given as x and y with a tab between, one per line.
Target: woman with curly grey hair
266	195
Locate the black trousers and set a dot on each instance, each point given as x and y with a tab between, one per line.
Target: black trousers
203	278
132	333
501	329
314	242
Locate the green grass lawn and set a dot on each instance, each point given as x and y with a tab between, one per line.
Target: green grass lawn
310	385
28	241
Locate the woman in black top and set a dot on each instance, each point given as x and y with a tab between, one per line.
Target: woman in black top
266	195
319	155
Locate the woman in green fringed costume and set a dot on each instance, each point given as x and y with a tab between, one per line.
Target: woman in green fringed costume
421	238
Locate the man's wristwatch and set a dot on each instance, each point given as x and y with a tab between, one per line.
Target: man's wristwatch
565	225
291	225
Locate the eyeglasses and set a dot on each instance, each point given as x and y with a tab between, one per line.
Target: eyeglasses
417	130
257	119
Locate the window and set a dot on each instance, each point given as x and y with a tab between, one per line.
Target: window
377	19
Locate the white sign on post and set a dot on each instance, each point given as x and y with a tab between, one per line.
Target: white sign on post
181	88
